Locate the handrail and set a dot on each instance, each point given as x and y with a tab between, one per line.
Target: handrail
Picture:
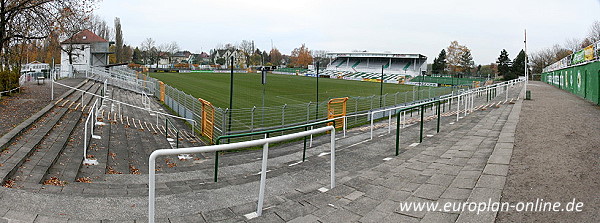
130	105
91	114
215	148
305	126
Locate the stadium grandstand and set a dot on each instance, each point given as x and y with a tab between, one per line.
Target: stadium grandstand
365	66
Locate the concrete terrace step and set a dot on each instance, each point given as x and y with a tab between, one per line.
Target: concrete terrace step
67	160
24	145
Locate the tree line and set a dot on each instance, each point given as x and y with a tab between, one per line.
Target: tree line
549	55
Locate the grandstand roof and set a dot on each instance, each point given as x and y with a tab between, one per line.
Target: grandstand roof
379	55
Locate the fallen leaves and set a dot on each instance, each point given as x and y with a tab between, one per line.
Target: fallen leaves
9	184
54	181
112	171
83	180
133	170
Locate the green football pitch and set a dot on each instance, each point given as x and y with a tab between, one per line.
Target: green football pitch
279	90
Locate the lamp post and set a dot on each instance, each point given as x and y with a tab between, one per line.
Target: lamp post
230	97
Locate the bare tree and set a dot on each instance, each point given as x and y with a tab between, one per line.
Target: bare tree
247	46
594	32
573	44
148	50
34	19
99	26
171	48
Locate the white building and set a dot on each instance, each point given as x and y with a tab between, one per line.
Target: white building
82	51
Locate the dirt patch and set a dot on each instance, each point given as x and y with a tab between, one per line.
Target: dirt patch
556	157
16	108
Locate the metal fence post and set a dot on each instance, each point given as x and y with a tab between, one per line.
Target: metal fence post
422	116
283	115
439	116
252	119
398	134
308	112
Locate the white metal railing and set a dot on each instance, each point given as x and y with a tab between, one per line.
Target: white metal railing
90	121
119	103
223	147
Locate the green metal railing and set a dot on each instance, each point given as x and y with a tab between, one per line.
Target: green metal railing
267	132
422	108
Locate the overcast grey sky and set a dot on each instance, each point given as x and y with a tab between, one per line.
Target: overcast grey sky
422	26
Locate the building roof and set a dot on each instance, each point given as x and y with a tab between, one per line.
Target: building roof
379	55
85	36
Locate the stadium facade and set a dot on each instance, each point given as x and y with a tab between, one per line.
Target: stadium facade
392	63
367	66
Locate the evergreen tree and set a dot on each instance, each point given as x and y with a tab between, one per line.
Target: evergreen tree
518	66
439	63
466	62
503	63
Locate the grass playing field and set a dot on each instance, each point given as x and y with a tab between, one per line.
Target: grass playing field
279	90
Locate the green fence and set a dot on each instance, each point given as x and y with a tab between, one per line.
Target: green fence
583	80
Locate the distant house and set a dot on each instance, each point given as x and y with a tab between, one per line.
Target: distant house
199	58
223	57
82	51
180	57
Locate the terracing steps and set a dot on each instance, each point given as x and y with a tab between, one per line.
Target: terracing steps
43	157
23	145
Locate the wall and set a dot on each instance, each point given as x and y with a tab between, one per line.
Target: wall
582	80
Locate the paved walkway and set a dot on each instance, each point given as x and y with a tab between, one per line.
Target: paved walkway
466	164
556	156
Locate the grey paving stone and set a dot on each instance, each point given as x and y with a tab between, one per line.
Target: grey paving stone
374	216
456	193
429	191
340	190
20	216
340	215
399	195
439	217
48	219
387	206
305	219
377	192
293	209
187	218
496	169
268	217
218	215
362	205
395	217
485	195
499	159
491	181
354	195
441	179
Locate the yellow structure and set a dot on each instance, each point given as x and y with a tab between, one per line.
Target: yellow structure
162	91
208	118
336	107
